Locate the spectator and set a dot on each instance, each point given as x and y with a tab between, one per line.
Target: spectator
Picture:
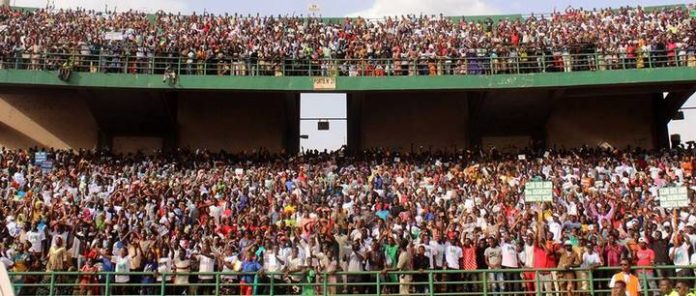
666	288
133	42
204	211
625	278
494	258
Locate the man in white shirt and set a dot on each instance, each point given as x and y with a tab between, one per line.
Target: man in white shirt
437	247
206	264
510	261
356	256
36	238
680	254
453	254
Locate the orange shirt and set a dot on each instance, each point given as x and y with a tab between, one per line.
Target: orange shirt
688	168
632	283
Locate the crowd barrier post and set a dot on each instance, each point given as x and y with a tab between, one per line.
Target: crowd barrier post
484	282
590	282
537	283
52	284
431	285
163	285
543	63
217	284
324	284
644	283
378	285
107	285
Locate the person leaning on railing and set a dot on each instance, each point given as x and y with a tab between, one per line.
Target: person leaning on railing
404	264
421	263
568	259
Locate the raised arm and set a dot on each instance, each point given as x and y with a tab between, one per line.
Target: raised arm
539	227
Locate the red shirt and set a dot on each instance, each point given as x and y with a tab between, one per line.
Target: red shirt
469	258
613	255
540	258
645	257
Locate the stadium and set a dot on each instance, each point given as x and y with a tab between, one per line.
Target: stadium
156	153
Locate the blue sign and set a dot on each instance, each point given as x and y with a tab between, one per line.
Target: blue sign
47	166
40	157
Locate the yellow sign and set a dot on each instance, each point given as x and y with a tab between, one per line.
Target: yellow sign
324	83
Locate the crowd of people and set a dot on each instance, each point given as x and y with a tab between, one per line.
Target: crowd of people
135	42
303	220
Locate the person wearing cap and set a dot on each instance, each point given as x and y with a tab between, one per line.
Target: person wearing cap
645	257
630	281
567	260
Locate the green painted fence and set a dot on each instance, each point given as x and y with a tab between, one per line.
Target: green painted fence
428	282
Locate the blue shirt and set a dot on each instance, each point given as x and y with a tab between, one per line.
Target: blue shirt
250	266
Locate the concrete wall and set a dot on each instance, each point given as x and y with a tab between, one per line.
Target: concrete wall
616	120
508	144
145	145
402	120
57	118
235	122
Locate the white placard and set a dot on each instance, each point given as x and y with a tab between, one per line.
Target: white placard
673	197
538	191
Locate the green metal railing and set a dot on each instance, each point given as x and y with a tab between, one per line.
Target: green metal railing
422	66
547	282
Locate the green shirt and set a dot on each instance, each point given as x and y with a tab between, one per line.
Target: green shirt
308	286
390	252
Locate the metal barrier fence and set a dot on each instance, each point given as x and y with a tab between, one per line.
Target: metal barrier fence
542	282
476	64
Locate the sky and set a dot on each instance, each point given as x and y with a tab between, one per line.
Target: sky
365	8
334	8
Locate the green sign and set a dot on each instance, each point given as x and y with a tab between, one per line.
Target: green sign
538	191
673	197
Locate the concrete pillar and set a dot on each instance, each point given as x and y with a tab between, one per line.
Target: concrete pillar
291	136
170	136
476	101
354	113
660	121
411	121
237	122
